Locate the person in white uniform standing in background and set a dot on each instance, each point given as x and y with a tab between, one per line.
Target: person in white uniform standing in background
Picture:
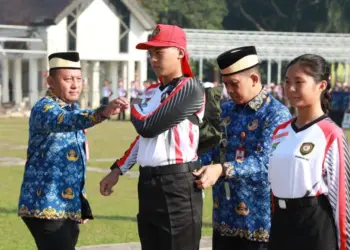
309	167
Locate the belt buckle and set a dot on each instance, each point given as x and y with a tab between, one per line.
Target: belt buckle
282	204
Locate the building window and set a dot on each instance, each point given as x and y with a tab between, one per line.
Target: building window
72	31
124	25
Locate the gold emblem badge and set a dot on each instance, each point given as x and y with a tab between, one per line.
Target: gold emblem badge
38	192
253	125
49	212
68	194
242	209
306	148
155	31
72	156
60	118
47	107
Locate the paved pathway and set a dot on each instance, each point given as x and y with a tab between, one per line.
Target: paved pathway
205	245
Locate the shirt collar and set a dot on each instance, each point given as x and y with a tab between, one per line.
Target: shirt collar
257	102
173	83
52	96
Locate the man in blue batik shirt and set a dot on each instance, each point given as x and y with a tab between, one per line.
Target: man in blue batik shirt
238	166
52	201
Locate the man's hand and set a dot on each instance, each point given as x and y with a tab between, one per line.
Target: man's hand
209	175
107	183
84	221
115	107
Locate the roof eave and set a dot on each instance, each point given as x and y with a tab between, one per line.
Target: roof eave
141	15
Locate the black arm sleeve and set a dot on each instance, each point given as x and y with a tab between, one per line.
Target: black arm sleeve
186	99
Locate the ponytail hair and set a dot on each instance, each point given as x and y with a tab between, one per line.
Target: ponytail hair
318	68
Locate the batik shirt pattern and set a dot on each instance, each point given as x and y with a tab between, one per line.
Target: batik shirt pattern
54	173
242	198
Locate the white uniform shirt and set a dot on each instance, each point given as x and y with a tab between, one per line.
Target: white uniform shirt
311	161
177	144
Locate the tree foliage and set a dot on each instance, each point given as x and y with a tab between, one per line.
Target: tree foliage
262	15
199	14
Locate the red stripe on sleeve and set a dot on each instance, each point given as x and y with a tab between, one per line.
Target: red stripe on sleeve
342	196
153	86
178	153
327	127
120	162
191	135
140	116
279	127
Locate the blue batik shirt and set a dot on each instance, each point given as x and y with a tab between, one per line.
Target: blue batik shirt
241	200
54	173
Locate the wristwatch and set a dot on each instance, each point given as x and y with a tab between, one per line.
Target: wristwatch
228	169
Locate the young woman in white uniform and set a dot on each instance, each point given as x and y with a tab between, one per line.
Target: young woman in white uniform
309	167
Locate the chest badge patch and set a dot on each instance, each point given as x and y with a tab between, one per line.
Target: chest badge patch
306	148
253	125
242	209
144	104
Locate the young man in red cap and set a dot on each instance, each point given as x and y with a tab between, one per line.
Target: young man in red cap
167	121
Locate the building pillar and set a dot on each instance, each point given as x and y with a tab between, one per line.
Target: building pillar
347	73
279	71
84	97
269	72
5	80
113	77
143	71
33	82
131	75
200	69
95	102
44	74
17	80
125	74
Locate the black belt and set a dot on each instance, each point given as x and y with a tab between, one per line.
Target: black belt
170	169
298	203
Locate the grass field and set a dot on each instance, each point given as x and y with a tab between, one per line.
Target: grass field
114	216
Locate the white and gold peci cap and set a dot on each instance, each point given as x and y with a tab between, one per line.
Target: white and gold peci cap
237	60
64	60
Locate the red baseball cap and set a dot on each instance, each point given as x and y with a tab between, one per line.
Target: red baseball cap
169	36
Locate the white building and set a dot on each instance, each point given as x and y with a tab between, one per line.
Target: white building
104	32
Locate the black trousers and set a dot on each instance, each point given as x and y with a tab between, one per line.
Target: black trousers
170	212
53	235
305	228
235	243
